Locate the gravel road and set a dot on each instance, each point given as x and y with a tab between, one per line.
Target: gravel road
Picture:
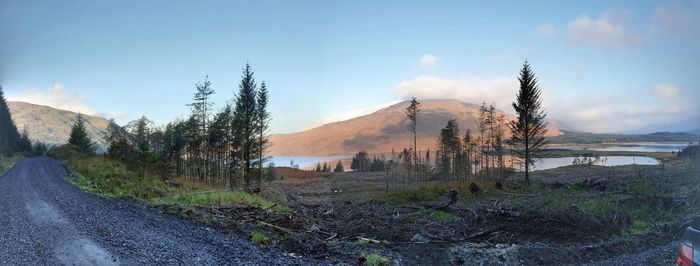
46	221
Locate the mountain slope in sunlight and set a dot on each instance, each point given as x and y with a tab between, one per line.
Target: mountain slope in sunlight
384	130
53	126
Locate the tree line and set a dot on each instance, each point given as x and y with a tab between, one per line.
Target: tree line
13	141
223	148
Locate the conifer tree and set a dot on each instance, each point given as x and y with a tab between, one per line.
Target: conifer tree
79	136
529	128
244	123
9	136
412	113
25	143
339	168
263	125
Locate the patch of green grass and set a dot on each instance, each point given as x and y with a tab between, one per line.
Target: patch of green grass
576	189
221	198
440	216
6	163
597	206
639	227
375	259
111	178
362	242
259	238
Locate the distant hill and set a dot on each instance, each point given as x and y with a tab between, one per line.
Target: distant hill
383	130
52	126
589	138
688	126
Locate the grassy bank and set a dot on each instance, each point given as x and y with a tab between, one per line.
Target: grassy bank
6	163
111	178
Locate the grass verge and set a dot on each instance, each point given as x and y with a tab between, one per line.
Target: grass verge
111	178
6	163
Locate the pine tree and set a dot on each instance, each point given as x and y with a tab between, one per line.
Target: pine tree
339	168
450	145
318	167
79	136
25	143
412	113
244	123
263	125
530	126
9	136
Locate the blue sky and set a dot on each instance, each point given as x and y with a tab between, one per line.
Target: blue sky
604	66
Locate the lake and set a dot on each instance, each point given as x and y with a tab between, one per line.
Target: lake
306	162
550	163
632	147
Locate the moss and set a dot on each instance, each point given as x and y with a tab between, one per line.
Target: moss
375	259
259	238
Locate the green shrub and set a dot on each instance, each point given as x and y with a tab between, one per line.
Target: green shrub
259	238
375	259
67	152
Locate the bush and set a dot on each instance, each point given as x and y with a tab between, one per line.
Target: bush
67	152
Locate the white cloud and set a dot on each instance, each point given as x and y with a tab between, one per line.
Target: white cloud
666	91
428	60
545	30
584	112
604	114
467	89
611	29
677	19
56	96
356	113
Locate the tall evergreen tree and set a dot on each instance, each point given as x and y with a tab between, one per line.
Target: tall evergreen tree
530	126
339	168
244	123
79	136
263	125
412	113
25	143
9	136
450	146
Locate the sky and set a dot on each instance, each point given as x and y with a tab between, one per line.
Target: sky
603	66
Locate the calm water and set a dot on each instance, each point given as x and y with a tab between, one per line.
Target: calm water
550	163
645	147
306	161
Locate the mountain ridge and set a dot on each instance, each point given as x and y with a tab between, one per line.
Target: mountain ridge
52	125
383	130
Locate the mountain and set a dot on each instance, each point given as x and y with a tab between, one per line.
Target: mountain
688	126
52	126
383	130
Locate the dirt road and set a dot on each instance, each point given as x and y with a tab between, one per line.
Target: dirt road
46	221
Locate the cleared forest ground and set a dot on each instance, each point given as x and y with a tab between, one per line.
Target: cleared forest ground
575	214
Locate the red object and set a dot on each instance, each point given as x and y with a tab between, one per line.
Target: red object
685	255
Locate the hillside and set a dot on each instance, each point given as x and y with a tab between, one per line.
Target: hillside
382	131
52	126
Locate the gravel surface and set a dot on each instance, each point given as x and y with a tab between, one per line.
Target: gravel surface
46	221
